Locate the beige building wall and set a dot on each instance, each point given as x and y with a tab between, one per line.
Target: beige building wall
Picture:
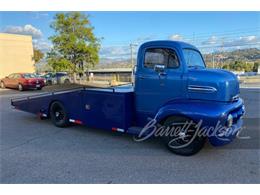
16	54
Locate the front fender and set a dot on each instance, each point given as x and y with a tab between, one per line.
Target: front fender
210	113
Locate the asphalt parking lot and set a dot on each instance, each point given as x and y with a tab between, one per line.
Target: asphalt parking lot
34	151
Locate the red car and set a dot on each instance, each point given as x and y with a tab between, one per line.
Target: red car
22	81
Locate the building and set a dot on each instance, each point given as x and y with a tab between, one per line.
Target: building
117	74
16	54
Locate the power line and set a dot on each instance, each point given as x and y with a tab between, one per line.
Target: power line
224	32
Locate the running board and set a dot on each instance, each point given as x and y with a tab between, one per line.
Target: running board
134	130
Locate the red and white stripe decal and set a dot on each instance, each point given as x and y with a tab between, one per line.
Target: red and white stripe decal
117	129
75	121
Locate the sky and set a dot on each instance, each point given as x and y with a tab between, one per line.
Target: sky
207	30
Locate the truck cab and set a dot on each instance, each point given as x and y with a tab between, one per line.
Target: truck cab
172	80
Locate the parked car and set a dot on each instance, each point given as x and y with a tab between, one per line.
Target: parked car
56	78
41	76
22	81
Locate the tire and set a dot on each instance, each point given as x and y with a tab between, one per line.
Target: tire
39	88
2	85
59	115
67	81
187	147
49	83
20	87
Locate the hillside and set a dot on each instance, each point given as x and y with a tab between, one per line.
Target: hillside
250	55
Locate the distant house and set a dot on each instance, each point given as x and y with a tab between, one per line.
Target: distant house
16	54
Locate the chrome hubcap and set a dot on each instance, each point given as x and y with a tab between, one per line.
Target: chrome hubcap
57	114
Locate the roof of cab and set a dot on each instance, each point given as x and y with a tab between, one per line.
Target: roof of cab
168	43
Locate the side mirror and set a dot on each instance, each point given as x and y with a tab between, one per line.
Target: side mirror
159	68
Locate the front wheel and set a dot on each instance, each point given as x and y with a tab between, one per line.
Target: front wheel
49	82
185	140
58	114
2	85
20	87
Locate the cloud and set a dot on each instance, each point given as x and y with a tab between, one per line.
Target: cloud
39	15
115	52
143	39
210	41
124	51
232	42
27	29
42	45
241	41
176	37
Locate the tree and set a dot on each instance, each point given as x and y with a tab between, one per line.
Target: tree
226	66
255	67
37	55
75	47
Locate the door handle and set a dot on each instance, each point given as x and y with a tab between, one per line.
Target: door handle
162	74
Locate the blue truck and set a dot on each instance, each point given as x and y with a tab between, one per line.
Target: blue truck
172	88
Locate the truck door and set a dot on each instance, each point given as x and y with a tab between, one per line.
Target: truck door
158	80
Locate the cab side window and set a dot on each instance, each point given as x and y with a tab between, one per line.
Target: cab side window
17	76
159	56
11	76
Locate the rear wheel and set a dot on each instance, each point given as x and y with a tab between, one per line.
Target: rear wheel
39	88
58	114
20	87
67	81
2	85
186	142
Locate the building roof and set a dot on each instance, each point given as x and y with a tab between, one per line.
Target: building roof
15	37
111	70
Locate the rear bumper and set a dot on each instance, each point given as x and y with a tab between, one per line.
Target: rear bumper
32	86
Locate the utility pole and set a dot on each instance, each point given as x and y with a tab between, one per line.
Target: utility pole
222	53
213	60
132	45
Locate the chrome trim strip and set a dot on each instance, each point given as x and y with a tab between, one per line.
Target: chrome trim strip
66	91
202	88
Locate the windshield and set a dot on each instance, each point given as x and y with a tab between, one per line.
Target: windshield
27	76
193	58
